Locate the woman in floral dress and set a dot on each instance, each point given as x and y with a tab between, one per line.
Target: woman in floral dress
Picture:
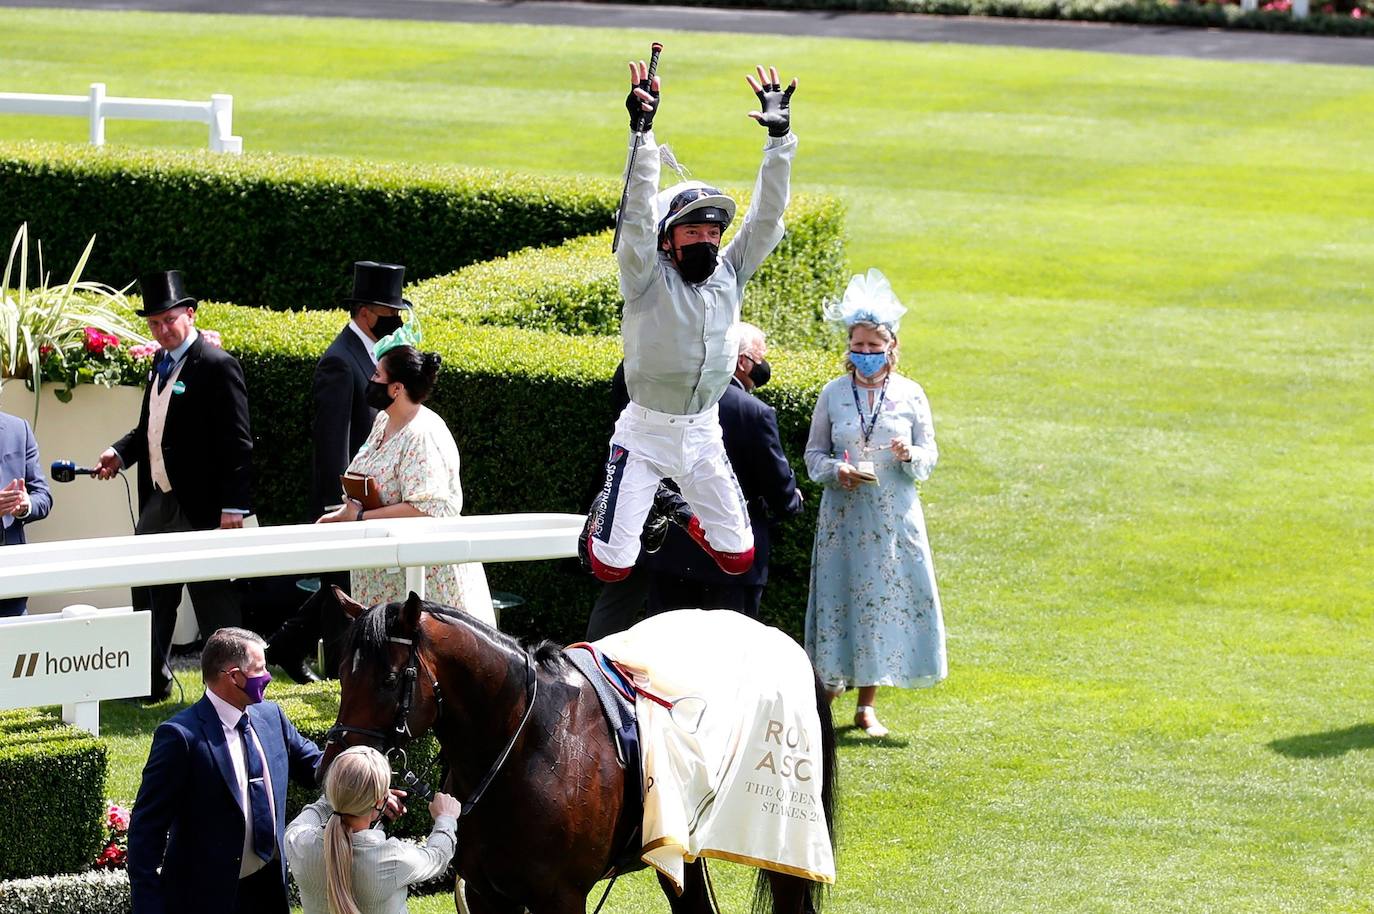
873	616
412	457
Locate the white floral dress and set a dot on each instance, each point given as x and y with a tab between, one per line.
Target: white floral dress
419	465
873	614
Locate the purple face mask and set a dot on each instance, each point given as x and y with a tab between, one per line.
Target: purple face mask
254	686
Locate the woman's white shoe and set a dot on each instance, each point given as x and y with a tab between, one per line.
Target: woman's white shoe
866	719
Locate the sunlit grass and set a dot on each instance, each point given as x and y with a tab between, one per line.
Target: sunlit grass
1141	307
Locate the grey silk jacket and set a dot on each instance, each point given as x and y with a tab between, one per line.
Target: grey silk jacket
680	350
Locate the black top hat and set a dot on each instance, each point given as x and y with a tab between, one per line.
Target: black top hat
163	291
377	284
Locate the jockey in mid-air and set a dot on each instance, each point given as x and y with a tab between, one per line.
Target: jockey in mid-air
682	301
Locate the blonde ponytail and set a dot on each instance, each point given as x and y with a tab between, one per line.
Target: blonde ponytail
357	783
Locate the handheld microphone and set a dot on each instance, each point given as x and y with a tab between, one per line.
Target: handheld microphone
67	470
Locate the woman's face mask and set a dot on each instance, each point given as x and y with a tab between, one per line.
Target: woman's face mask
377	395
868	364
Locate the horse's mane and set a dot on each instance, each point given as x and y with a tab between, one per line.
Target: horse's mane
369	633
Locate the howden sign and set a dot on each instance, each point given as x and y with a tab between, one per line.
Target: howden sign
82	655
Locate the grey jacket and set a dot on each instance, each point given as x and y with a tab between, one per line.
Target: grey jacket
680	350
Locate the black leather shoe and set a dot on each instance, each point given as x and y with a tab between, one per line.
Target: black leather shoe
655	533
300	672
671	506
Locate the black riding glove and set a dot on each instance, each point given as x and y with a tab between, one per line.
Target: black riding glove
775	104
640	119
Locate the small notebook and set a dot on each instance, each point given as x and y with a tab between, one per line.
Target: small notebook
362	489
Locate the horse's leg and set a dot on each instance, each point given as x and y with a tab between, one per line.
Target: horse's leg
473	901
791	894
695	898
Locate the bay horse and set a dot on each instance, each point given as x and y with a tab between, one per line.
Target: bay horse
529	754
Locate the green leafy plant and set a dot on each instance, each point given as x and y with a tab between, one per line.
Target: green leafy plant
71	333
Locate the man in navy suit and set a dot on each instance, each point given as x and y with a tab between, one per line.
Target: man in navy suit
682	575
211	810
24	495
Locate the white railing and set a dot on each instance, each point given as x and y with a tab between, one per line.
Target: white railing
210	555
97	107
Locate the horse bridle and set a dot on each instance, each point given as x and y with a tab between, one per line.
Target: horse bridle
392	742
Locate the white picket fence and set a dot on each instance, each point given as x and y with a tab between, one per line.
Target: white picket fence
98	107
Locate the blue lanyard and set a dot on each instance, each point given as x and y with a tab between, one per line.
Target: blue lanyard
868	427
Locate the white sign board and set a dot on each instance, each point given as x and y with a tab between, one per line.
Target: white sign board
83	655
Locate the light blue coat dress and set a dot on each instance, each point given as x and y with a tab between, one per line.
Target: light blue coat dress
873	615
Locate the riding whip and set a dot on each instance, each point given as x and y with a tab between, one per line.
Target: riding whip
654	50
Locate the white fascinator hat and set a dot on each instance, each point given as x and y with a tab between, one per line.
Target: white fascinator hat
868	297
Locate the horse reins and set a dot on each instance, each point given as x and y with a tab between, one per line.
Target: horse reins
391	742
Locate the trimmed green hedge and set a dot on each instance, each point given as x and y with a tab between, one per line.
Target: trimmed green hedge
103	891
312	709
280	231
1127	12
53	780
572	288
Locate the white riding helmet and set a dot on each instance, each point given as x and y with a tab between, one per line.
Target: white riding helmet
692	202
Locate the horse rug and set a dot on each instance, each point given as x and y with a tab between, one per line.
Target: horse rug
731	744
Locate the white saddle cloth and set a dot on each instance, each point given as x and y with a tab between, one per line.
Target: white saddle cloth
746	784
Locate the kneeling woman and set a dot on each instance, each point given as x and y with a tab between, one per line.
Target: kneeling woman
341	863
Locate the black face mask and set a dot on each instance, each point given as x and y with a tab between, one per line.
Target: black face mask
696	262
376	395
760	373
386	323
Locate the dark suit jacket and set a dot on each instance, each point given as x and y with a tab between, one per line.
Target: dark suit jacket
342	418
187	818
206	443
19	460
750	429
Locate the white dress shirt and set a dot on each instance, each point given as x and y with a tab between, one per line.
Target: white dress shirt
382	867
368	342
229	720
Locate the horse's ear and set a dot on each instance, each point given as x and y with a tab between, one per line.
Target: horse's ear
349	605
410	612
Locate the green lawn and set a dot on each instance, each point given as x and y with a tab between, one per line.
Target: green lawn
1141	306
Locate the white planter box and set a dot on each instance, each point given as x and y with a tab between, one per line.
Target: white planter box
94	419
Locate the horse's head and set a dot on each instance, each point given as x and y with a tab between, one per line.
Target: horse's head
387	690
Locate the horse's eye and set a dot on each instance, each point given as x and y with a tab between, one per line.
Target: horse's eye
389	680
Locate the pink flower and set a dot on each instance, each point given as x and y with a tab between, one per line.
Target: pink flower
143	350
212	338
1357	13
118	817
95	341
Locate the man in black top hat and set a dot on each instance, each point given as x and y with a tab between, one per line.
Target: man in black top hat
194	454
342	422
